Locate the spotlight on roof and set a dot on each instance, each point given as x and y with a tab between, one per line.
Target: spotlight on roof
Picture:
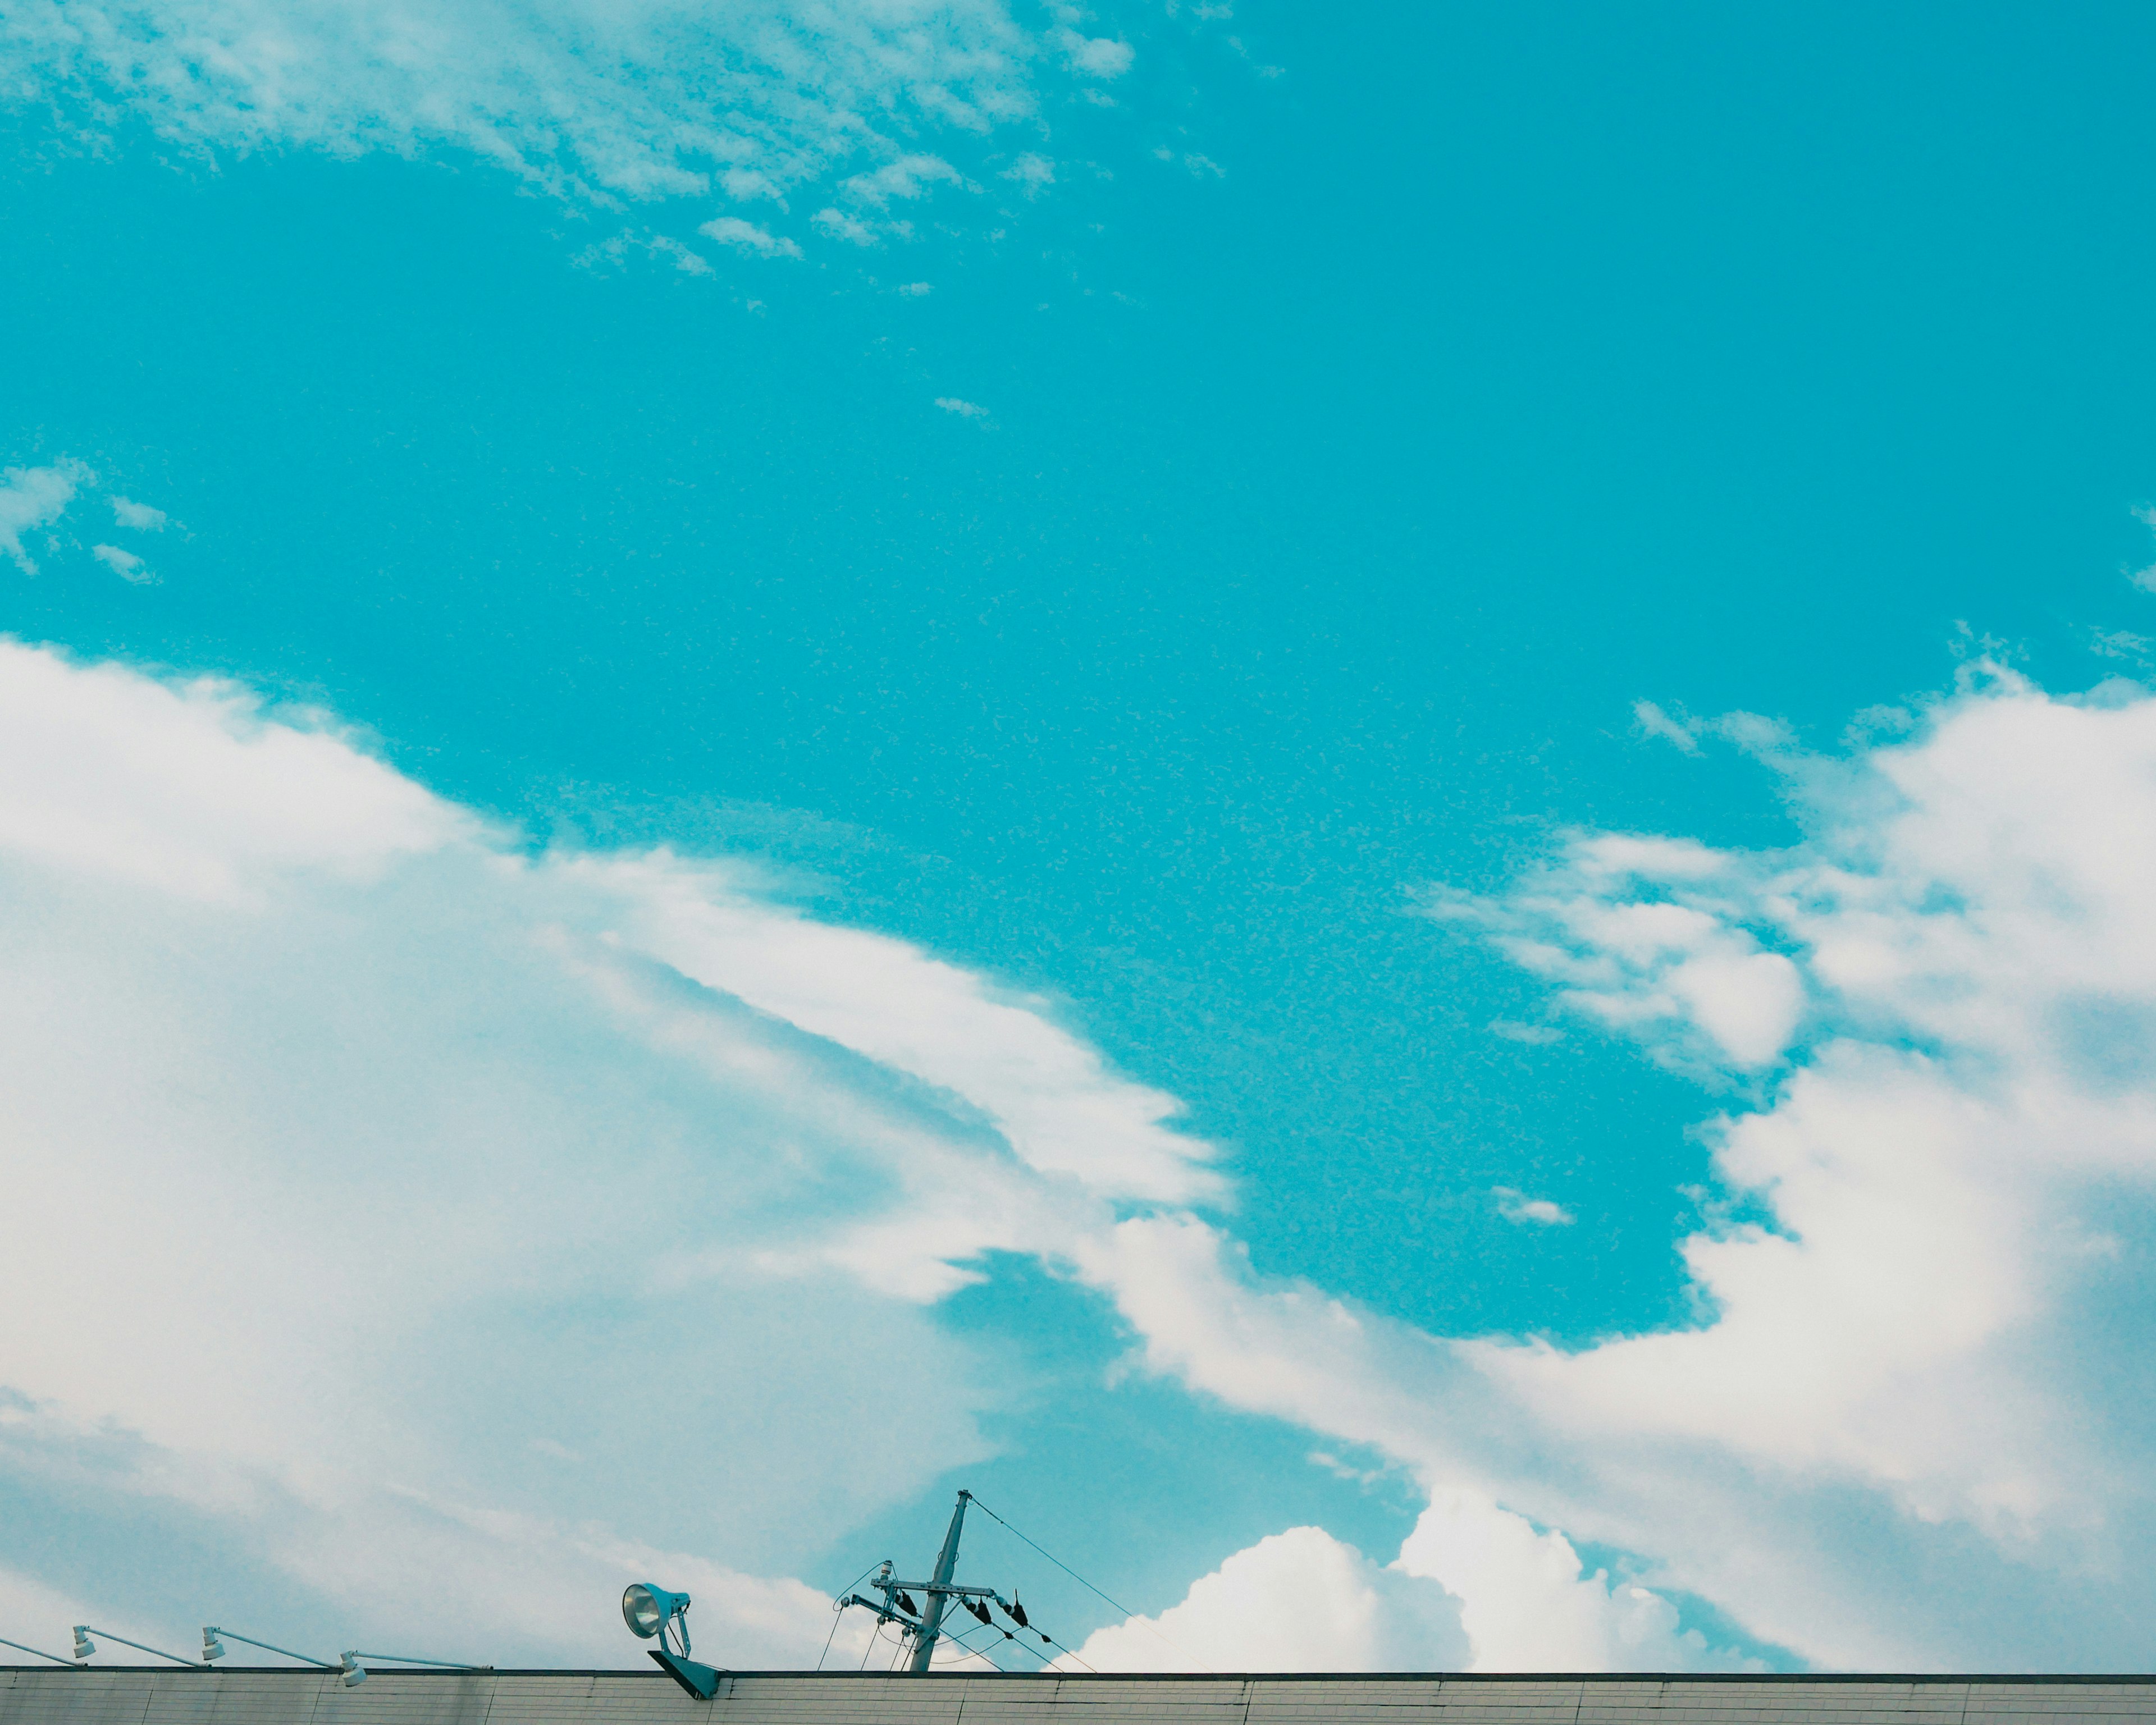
355	1673
83	1646
212	1647
648	1611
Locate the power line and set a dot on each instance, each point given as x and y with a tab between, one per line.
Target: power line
837	1611
1128	1613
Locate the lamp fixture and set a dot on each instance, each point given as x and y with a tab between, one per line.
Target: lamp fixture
649	1611
83	1646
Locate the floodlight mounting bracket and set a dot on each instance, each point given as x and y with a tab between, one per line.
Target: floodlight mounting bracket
699	1680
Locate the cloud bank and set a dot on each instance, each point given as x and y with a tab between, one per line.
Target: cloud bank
598	102
394	1202
363	1163
1907	1429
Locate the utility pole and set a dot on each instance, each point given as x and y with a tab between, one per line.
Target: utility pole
938	1590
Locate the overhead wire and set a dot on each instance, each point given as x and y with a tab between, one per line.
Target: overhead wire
838	1610
1128	1614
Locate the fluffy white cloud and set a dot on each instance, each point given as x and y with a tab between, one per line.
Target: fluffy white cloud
344	1132
33	497
138	517
1297	1601
1905	1428
588	98
398	1203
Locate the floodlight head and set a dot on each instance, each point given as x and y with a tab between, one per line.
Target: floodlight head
355	1673
647	1611
83	1646
212	1647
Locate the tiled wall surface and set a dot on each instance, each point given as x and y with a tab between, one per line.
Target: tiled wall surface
118	1696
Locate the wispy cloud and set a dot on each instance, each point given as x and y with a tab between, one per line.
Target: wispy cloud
33	497
124	563
586	100
1034	172
1096	56
964	410
137	517
839	225
1515	1206
747	237
1653	721
907	178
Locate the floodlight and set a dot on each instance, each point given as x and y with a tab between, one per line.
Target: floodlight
212	1647
83	1646
647	1611
355	1673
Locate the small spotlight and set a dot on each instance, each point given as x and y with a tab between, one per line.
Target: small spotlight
83	1646
212	1647
355	1673
647	1611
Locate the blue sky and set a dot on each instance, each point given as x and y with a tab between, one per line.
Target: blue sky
862	747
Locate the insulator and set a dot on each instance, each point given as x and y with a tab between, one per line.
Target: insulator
1018	1614
906	1600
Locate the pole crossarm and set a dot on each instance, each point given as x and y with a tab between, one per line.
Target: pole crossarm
886	1611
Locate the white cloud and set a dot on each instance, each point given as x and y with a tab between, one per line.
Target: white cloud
1515	1206
1297	1601
343	1134
1096	56
914	289
909	177
1635	930
963	409
1654	722
123	563
586	98
1528	1605
2145	579
1034	172
644	1109
138	517
1905	1429
1534	1035
839	225
747	237
32	497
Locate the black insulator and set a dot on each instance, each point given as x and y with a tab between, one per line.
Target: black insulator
978	1609
1008	1636
906	1600
1044	1635
1018	1614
